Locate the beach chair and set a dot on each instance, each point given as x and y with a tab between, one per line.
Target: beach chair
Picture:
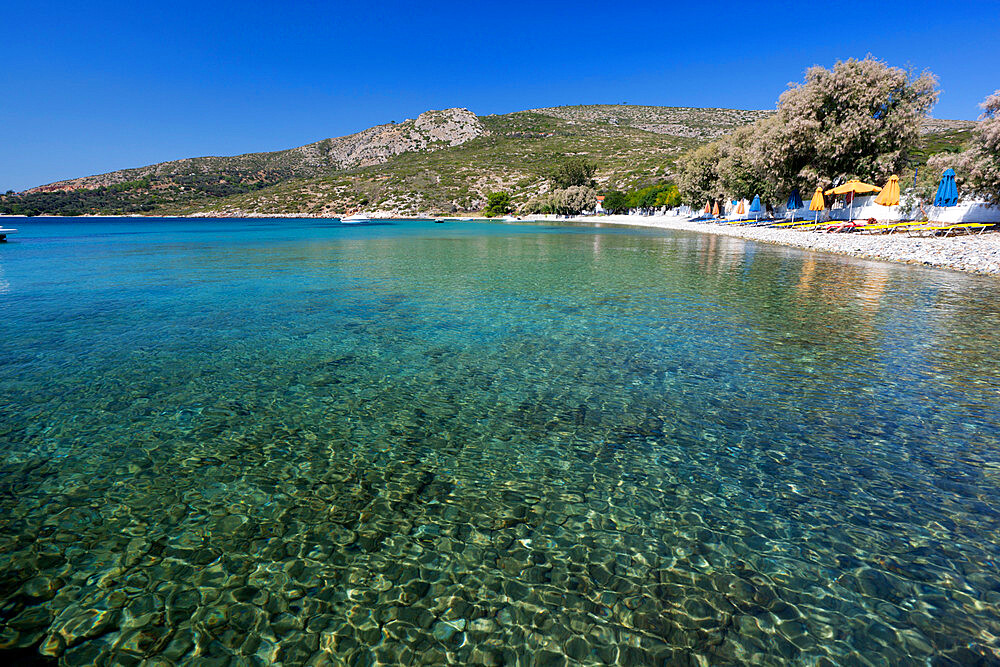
875	228
948	230
842	226
797	223
808	226
887	227
970	228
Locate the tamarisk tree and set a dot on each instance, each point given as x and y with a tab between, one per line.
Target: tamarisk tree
979	167
859	120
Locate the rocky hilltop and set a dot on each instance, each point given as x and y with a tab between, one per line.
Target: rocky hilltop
431	130
690	122
942	125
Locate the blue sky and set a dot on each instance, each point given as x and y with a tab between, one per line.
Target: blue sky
91	87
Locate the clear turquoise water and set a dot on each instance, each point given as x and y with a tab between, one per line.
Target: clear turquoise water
289	441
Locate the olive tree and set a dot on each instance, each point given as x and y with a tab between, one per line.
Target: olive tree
574	171
576	199
566	201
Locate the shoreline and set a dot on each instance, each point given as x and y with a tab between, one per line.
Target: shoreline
978	254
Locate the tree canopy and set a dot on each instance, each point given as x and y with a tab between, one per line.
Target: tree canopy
615	201
653	196
498	204
574	171
859	120
565	201
978	168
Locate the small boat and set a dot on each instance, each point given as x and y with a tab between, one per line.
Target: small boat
355	219
4	233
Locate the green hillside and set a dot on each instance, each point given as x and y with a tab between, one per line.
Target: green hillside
520	152
631	146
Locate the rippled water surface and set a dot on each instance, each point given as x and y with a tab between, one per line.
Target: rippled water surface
263	442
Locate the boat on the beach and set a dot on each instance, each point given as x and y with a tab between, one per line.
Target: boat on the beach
355	219
4	233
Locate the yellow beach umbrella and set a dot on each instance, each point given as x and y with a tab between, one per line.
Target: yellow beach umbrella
857	187
818	203
708	208
740	210
854	188
715	209
890	193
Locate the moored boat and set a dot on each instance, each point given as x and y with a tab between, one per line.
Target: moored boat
4	233
355	219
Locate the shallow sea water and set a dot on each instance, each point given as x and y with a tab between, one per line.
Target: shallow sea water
294	442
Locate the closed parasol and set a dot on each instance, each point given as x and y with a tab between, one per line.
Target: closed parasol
890	193
947	192
818	203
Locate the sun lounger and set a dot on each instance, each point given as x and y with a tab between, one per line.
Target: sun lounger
948	230
843	226
887	227
805	226
794	225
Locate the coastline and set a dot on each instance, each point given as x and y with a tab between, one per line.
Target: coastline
978	254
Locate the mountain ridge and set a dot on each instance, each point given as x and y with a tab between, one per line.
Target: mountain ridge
441	162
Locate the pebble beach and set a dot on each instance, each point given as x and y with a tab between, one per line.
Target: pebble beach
978	253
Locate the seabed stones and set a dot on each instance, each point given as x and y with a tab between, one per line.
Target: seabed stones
390	478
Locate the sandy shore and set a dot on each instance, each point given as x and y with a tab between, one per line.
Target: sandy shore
975	254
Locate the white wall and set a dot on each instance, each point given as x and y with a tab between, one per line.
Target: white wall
864	208
970	211
964	212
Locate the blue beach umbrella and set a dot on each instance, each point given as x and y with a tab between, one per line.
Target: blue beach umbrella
755	205
947	192
794	202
